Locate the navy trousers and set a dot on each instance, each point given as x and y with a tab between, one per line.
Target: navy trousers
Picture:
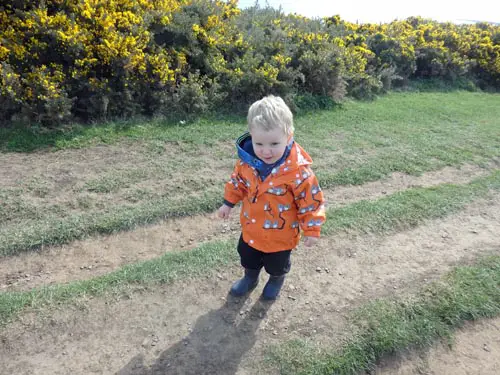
275	264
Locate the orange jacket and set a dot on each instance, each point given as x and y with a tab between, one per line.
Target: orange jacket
274	210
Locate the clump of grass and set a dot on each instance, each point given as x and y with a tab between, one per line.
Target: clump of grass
105	184
386	327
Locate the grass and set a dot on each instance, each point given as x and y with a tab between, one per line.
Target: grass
385	327
410	207
166	269
56	231
354	144
401	111
209	256
201	131
114	182
402	132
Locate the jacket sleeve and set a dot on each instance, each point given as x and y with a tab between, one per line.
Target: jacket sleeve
310	203
235	189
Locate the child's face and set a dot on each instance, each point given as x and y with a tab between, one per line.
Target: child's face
269	146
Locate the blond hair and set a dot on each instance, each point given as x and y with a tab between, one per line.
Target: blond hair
269	113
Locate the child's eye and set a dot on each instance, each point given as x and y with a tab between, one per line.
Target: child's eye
258	144
274	144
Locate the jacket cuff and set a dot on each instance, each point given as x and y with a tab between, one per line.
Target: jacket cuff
311	233
229	204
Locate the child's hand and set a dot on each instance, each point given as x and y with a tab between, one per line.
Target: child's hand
310	241
224	212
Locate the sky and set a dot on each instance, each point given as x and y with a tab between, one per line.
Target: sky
363	11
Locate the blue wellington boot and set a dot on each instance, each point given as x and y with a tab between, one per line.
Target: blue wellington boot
272	289
246	284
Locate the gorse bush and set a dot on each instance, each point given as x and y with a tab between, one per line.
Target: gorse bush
95	59
87	60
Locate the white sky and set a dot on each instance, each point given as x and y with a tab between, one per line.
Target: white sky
389	10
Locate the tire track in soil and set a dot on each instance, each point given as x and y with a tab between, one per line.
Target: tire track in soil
190	327
84	259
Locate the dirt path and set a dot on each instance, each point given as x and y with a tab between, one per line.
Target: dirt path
189	327
475	351
103	254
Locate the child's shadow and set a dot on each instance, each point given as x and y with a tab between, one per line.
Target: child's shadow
216	344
